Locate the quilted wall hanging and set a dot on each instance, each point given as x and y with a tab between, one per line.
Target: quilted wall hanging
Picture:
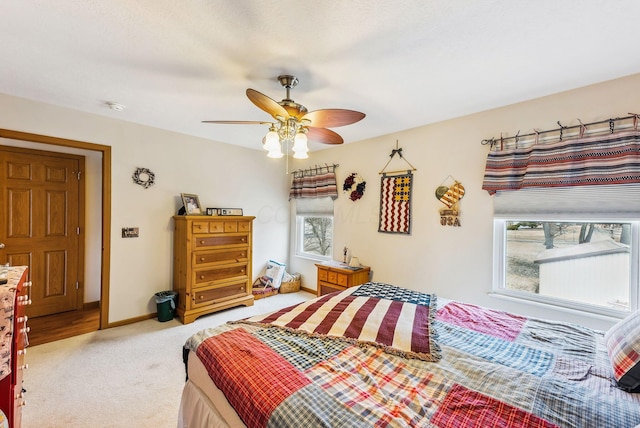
395	198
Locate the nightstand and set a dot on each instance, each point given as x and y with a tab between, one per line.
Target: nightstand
333	278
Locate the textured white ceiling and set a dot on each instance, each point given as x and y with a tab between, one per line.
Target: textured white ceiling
404	63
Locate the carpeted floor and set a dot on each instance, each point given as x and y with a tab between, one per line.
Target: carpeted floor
130	376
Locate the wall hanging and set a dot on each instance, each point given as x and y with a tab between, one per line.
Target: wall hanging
450	194
144	177
354	186
395	197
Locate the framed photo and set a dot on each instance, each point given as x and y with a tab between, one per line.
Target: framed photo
213	211
191	204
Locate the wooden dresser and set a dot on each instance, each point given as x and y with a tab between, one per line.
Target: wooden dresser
333	278
211	264
11	393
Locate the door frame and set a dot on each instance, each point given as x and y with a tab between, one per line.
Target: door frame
105	257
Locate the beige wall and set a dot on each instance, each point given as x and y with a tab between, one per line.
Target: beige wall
221	174
455	263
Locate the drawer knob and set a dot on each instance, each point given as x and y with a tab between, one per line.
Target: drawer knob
243	240
201	297
201	276
201	259
202	242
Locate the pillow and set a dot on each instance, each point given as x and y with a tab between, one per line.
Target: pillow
623	345
274	273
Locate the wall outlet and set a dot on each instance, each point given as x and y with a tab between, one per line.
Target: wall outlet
130	232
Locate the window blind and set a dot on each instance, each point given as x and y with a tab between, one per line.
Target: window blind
579	202
314	206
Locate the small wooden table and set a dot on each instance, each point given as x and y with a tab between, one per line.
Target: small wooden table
333	278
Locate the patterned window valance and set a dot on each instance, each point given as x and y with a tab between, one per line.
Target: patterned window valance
604	159
314	183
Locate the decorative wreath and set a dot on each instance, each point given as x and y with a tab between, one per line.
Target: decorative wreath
143	177
354	186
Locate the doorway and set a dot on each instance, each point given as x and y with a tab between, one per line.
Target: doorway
102	312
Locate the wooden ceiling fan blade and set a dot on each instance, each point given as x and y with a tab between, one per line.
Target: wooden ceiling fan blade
333	117
267	104
237	122
323	135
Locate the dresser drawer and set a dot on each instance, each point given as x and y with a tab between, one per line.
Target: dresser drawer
223	256
202	242
219	273
326	288
218	293
219	226
336	278
207	226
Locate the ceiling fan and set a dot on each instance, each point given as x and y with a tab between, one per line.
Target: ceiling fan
294	123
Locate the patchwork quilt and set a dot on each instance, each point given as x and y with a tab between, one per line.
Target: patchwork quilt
379	355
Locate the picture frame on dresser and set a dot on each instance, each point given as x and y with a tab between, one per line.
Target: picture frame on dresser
191	204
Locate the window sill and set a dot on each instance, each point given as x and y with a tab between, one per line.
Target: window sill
312	258
606	315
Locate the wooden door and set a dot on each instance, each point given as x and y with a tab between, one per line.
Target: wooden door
40	219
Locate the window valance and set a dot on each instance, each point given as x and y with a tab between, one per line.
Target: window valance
314	184
604	159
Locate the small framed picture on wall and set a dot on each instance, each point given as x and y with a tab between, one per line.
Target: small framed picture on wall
191	204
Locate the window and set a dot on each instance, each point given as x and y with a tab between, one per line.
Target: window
314	228
575	248
315	236
581	265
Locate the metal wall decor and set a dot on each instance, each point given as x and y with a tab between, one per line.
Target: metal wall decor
144	177
450	195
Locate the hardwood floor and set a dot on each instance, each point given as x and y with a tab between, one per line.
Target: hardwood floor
55	327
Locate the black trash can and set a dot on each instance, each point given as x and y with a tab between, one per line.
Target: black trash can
166	301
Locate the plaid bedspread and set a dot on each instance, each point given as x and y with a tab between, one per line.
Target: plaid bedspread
496	369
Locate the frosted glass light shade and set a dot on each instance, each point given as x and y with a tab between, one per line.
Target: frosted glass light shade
276	153
272	141
300	148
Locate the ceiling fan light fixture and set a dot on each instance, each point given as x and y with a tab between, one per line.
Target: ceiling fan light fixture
275	152
272	140
300	148
293	121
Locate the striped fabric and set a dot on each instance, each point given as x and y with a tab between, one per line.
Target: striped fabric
595	160
312	185
400	328
395	204
623	345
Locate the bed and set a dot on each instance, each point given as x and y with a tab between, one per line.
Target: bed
381	355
